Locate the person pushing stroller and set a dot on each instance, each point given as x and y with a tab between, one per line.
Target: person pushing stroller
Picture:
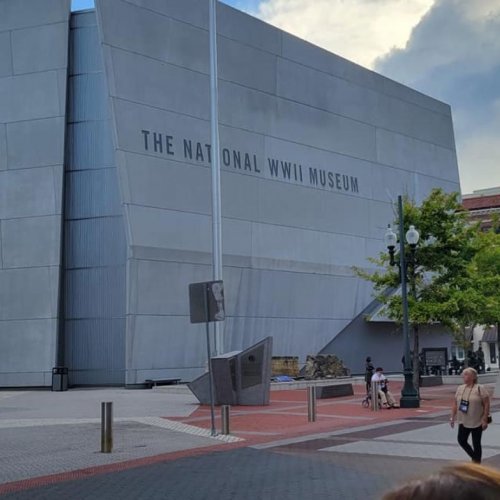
369	369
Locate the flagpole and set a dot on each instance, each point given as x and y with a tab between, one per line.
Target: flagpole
214	139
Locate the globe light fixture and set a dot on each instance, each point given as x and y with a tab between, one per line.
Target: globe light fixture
412	236
390	237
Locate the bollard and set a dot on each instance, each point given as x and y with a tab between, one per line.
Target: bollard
311	403
375	405
106	427
225	419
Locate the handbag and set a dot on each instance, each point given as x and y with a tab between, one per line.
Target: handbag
489	419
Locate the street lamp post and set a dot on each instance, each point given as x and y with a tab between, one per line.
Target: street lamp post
409	394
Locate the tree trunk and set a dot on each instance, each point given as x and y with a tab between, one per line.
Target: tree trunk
416	364
466	342
465	346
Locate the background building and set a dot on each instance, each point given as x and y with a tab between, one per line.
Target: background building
483	206
105	189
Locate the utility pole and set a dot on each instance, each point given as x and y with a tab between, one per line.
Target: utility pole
216	196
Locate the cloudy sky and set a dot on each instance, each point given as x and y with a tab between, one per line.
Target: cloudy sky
449	49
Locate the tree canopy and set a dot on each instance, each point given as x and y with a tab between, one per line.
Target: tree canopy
456	277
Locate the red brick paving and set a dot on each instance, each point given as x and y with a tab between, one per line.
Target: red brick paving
286	415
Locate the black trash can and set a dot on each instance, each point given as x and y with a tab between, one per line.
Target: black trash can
60	378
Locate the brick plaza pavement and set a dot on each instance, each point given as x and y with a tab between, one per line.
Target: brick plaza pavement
287	413
350	452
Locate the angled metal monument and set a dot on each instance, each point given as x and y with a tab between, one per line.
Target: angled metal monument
240	377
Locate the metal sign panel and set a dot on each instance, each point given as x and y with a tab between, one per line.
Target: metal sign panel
206	301
435	356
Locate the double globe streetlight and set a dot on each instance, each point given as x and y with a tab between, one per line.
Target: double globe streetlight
409	394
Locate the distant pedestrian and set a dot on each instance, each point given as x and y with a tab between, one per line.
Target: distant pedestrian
403	360
480	360
369	369
458	482
471	408
384	394
454	366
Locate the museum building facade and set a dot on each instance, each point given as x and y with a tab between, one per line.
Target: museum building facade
105	201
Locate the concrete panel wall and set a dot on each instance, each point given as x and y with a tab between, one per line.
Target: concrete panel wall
40	48
33	68
383	342
314	151
95	249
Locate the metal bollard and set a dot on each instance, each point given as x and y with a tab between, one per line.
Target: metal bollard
311	403
225	419
106	427
375	405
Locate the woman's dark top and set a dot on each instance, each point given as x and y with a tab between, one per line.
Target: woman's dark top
369	371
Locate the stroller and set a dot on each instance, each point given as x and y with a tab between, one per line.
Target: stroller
367	400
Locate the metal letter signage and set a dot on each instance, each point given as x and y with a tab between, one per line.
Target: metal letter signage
284	169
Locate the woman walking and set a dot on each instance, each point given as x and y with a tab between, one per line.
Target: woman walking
472	406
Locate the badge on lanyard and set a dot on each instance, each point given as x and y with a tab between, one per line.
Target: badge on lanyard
464	403
464	406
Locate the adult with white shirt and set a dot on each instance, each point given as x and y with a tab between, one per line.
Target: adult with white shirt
385	395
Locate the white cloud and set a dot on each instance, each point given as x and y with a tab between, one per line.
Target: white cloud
454	55
359	30
479	155
456	37
449	49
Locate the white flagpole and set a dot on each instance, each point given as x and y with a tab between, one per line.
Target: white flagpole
216	197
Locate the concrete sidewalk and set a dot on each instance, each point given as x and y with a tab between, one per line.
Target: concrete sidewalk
353	464
45	432
85	403
51	438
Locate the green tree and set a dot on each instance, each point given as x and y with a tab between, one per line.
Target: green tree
471	298
453	277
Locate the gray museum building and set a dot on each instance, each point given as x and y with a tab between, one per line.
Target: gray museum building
105	190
